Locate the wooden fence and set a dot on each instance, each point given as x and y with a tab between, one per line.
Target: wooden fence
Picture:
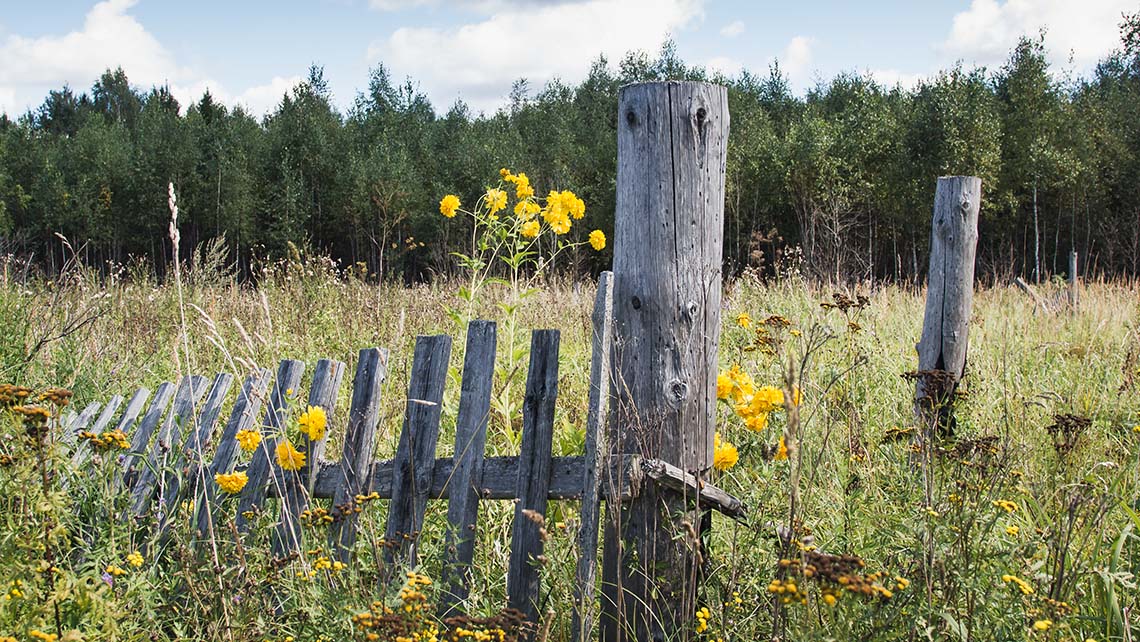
174	455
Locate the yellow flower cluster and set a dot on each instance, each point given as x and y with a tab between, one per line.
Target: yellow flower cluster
248	440
598	240
703	616
115	571
448	205
1022	585
231	483
725	454
313	422
787	590
44	637
106	440
288	457
1005	505
135	559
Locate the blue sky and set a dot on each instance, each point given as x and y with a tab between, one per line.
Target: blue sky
252	52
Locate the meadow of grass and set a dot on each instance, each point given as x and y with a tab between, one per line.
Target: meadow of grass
1012	532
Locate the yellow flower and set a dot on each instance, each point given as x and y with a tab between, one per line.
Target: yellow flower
506	174
529	229
573	205
523	190
560	225
598	240
114	571
1043	625
135	559
781	450
448	205
231	483
40	635
1005	505
313	422
744	320
829	599
288	457
496	200
1012	531
756	423
724	385
1025	587
554	207
248	439
725	454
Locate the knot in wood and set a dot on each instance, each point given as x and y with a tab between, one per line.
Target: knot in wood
701	113
636	303
690	310
677	391
631	118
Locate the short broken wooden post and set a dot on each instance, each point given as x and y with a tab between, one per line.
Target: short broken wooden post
668	230
949	301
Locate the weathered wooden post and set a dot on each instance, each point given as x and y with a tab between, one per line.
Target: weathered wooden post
949	298
672	140
1074	281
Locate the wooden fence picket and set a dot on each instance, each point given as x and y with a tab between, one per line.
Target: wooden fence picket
470	446
262	466
415	453
190	391
295	494
242	417
523	579
141	437
359	445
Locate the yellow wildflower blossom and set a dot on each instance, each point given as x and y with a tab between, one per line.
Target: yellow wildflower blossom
114	571
744	320
1005	505
598	240
288	457
313	422
781	450
529	229
724	386
496	200
1025	587
231	483
757	423
248	439
523	190
1012	531
1042	625
40	635
135	559
448	205
725	454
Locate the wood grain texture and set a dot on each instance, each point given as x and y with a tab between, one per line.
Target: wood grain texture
523	578
415	453
263	466
464	483
668	227
141	437
595	462
287	534
169	438
242	417
950	287
355	470
135	406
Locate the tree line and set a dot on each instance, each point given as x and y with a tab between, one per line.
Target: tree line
838	183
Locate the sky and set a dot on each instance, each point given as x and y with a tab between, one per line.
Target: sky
251	52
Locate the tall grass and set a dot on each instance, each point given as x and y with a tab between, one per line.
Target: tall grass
946	556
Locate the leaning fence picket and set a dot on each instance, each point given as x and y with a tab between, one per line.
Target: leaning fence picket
242	417
261	467
523	580
141	437
464	482
359	445
294	495
415	453
190	391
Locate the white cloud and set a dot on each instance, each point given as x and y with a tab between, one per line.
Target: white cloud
889	78
265	98
110	37
796	59
732	29
729	67
537	41
986	32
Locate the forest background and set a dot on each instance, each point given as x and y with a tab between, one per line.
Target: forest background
837	183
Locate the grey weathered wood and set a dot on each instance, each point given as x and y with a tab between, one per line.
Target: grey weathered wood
359	444
667	282
81	422
415	453
596	461
1038	301
500	478
190	391
950	291
131	413
242	417
141	437
83	451
703	493
1074	281
470	444
188	461
523	578
287	535
263	466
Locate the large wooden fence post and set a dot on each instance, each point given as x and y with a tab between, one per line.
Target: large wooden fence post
949	299
672	140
